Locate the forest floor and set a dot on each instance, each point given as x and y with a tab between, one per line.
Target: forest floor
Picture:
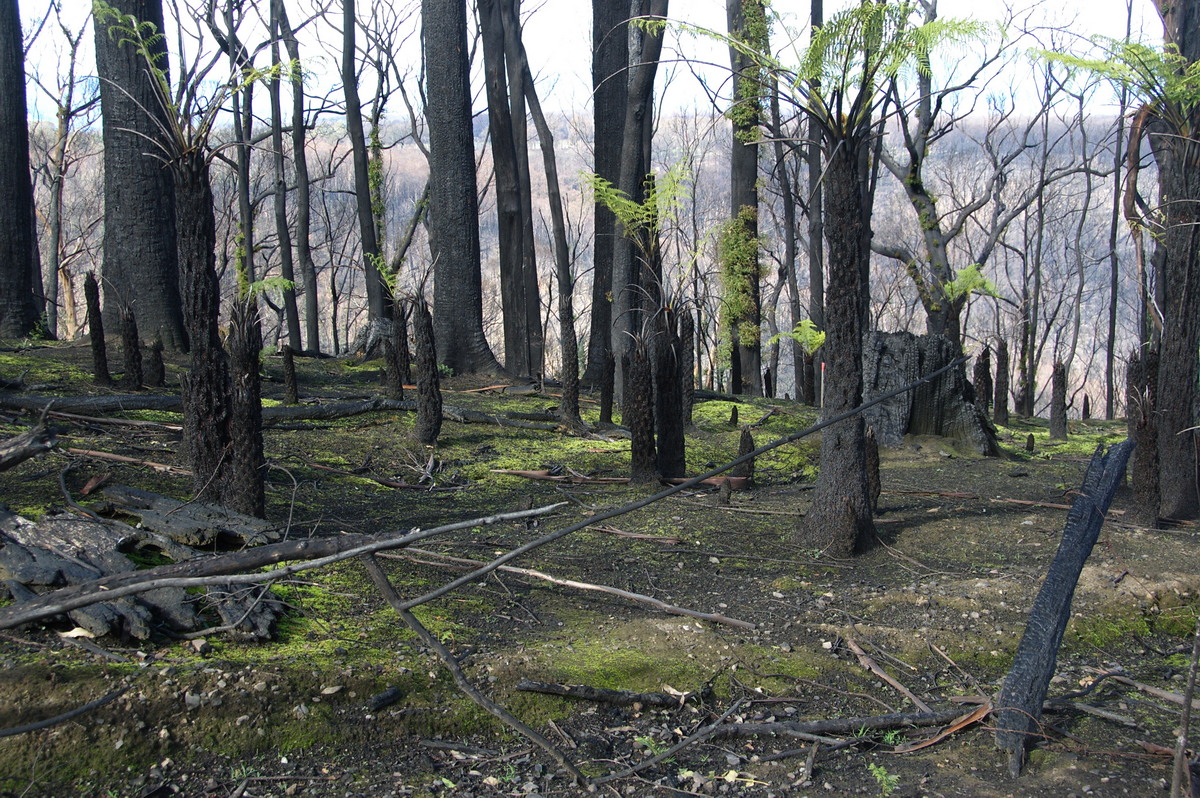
938	605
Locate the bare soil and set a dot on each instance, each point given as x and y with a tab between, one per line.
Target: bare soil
939	604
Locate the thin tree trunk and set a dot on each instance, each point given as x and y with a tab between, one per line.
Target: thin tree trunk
282	231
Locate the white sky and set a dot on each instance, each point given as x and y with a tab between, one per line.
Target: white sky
558	38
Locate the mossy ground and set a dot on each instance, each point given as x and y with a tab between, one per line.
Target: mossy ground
939	604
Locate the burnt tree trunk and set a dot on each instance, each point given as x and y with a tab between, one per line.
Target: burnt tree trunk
291	391
156	372
606	388
429	392
638	412
1024	689
943	407
394	353
91	294
687	364
668	398
1058	402
131	351
983	380
244	492
1000	397
1141	393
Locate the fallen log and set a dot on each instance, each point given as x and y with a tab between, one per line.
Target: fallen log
1019	706
197	524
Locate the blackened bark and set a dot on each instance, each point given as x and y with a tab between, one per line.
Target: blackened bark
91	294
395	351
839	521
810	378
1000	400
610	57
874	484
282	231
18	301
983	380
687	364
429	393
638	413
745	446
140	256
156	373
244	492
1141	394
1058	402
453	207
206	401
291	391
668	398
131	351
606	387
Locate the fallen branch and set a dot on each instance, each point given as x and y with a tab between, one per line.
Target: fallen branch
957	726
1157	692
1047	505
621	698
448	659
74	713
841	725
30	443
615	591
120	458
621	533
865	660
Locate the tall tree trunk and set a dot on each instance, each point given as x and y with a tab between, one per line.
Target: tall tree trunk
18	305
628	283
282	231
747	20
610	58
362	185
308	270
839	521
453	206
247	466
140	258
816	240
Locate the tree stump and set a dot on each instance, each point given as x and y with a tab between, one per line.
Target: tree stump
1058	402
1141	396
131	351
156	372
1000	397
429	390
95	321
668	399
944	407
637	412
983	380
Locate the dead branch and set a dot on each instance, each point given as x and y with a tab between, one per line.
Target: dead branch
867	662
448	659
120	458
841	725
74	713
621	698
234	568
621	533
30	443
616	591
1047	505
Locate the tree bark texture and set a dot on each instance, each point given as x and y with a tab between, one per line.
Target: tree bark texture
687	364
18	301
206	402
839	521
638	413
131	351
248	466
140	257
429	393
1141	393
156	373
668	397
610	57
943	407
91	293
1000	397
453	207
1058	402
983	380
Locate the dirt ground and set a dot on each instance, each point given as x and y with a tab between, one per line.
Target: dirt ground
938	605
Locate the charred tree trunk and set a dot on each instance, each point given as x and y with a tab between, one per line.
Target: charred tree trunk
687	361
745	446
429	392
983	380
1058	402
668	398
606	387
1141	393
131	351
156	372
91	293
206	403
245	490
395	351
291	391
638	412
1000	398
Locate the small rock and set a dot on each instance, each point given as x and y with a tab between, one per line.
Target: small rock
192	700
200	646
1019	472
331	690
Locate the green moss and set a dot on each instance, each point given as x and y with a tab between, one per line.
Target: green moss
1103	630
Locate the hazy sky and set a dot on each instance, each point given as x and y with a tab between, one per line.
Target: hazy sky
558	38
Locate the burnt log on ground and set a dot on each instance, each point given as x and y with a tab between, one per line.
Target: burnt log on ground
197	524
1020	701
32	442
944	407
